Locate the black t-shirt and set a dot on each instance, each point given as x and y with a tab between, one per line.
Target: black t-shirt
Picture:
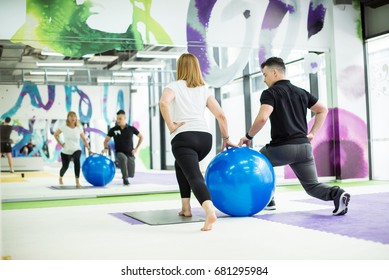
5	133
123	138
289	117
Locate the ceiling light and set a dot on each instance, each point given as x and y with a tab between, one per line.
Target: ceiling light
50	53
115	80
52	73
123	74
61	64
158	54
142	64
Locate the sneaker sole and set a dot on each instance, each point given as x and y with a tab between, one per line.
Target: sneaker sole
270	208
341	211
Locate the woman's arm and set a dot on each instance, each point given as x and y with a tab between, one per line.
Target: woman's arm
56	136
217	111
167	97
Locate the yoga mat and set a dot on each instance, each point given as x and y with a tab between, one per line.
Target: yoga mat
367	218
162	217
197	214
69	187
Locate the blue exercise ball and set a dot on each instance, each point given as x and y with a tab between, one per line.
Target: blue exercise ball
98	170
241	181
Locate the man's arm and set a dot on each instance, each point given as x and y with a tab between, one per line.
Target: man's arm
106	140
263	115
140	140
320	111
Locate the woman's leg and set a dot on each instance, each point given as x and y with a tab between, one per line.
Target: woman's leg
184	191
65	165
77	166
188	149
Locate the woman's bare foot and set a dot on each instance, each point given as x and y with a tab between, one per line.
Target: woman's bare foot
209	221
78	185
185	207
185	213
60	181
210	216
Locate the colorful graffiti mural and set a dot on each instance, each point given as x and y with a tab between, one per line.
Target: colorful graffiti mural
40	131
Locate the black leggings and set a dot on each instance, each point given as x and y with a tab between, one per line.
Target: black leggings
189	148
65	163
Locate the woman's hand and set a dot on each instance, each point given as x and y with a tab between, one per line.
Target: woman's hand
174	126
227	144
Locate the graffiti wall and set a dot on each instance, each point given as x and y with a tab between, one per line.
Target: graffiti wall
38	111
274	27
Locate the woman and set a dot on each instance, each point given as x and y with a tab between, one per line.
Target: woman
71	148
182	106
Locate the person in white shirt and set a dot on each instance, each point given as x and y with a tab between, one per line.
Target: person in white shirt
71	148
182	106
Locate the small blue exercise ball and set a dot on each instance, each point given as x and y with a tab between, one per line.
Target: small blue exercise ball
98	170
241	181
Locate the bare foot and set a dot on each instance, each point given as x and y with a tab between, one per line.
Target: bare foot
60	181
78	185
185	213
209	221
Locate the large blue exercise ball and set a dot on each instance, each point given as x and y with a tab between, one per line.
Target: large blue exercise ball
241	181
98	170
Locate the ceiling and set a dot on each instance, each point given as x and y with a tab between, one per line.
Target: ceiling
20	63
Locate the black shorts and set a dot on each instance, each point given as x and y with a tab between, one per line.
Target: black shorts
5	148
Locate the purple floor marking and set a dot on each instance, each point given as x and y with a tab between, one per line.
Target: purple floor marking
126	219
154	178
367	218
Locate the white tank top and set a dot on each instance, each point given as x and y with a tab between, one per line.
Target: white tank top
189	106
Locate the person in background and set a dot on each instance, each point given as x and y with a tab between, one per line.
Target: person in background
182	106
286	106
27	149
122	135
72	133
6	142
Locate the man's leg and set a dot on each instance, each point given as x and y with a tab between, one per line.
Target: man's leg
131	166
121	160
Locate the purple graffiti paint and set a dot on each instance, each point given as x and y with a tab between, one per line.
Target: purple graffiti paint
196	46
204	9
315	20
340	146
275	12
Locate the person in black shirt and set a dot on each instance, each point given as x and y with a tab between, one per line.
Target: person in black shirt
6	141
122	135
286	106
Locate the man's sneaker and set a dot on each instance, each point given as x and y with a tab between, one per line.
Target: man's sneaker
271	205
125	182
341	202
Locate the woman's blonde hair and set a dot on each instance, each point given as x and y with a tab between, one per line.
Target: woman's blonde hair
188	69
71	113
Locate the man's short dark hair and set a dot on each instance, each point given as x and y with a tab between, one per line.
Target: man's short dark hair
121	112
274	62
7	119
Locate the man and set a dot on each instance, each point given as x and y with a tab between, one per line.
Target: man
286	105
122	134
5	146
